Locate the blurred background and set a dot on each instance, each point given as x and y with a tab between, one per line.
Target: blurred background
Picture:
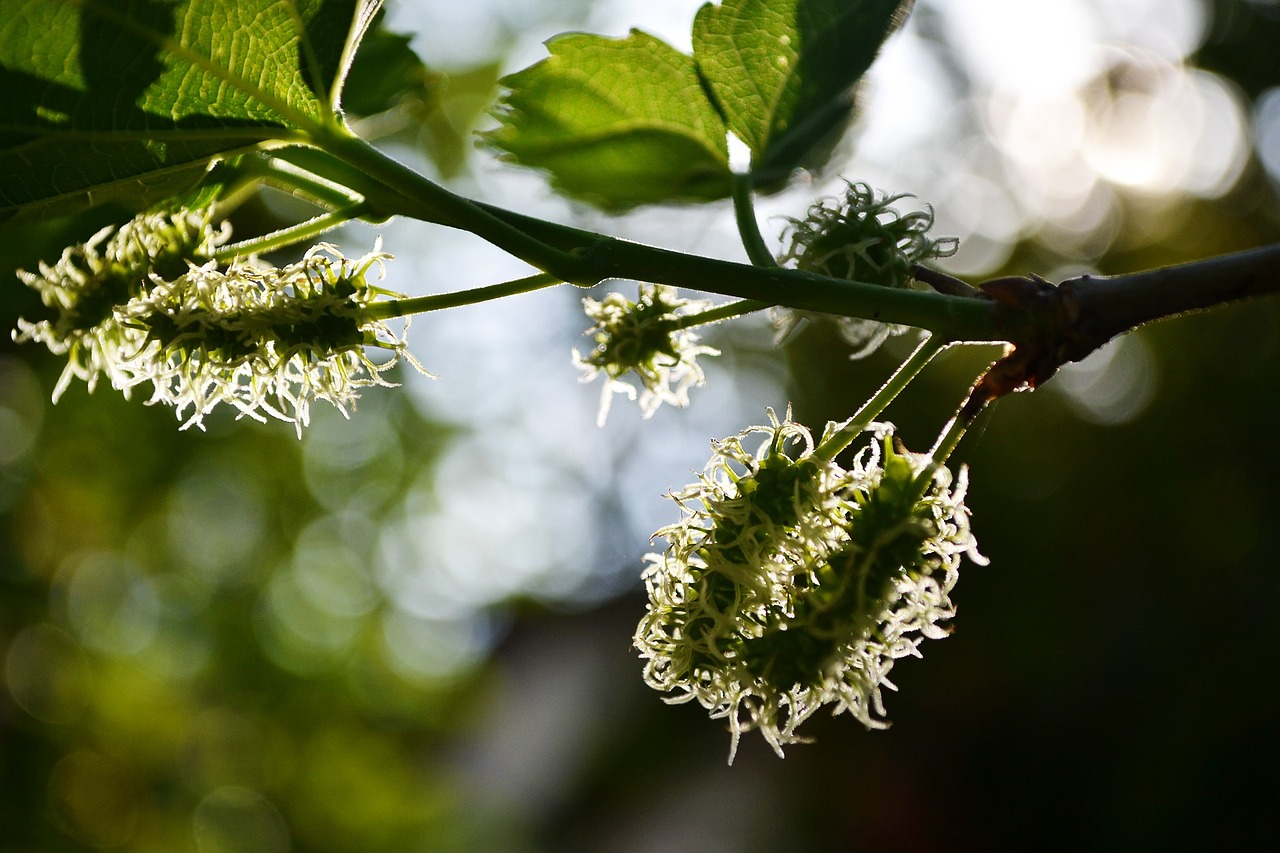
410	630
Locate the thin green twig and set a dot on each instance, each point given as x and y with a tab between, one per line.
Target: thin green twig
423	304
276	169
727	311
748	226
292	235
901	377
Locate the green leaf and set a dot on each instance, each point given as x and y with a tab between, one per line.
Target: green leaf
386	71
617	122
129	99
783	71
401	99
442	120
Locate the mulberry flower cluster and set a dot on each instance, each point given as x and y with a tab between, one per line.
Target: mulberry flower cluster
138	306
861	237
791	582
113	266
645	338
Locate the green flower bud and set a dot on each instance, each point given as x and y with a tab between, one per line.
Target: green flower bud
644	338
861	237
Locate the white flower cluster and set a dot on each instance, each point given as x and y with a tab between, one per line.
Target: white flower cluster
644	338
791	583
860	237
262	339
110	268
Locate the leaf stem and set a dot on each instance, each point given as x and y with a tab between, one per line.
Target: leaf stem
291	235
423	304
748	226
277	169
727	311
907	371
454	210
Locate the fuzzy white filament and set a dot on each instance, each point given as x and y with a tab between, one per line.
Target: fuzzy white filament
644	338
267	341
791	583
139	306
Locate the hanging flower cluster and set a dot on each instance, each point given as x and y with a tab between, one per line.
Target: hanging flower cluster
861	237
791	583
115	265
137	306
645	338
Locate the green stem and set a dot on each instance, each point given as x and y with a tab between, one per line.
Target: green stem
290	236
950	438
943	449
846	435
748	226
727	311
451	209
585	258
423	304
275	168
955	318
947	443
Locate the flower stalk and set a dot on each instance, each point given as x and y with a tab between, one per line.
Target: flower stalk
846	434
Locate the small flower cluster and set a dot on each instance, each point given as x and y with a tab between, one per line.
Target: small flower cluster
645	337
791	583
861	237
262	339
115	265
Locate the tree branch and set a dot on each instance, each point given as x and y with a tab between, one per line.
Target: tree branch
1103	307
1049	326
1068	322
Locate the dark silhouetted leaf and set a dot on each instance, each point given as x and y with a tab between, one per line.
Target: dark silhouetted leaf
783	71
385	72
129	99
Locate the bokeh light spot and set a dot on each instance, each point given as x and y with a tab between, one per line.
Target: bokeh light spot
327	570
110	604
1113	385
1266	131
216	520
238	820
95	799
424	650
21	409
45	673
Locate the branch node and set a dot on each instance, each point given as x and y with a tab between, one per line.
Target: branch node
943	283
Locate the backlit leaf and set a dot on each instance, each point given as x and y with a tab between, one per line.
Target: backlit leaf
129	99
616	122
